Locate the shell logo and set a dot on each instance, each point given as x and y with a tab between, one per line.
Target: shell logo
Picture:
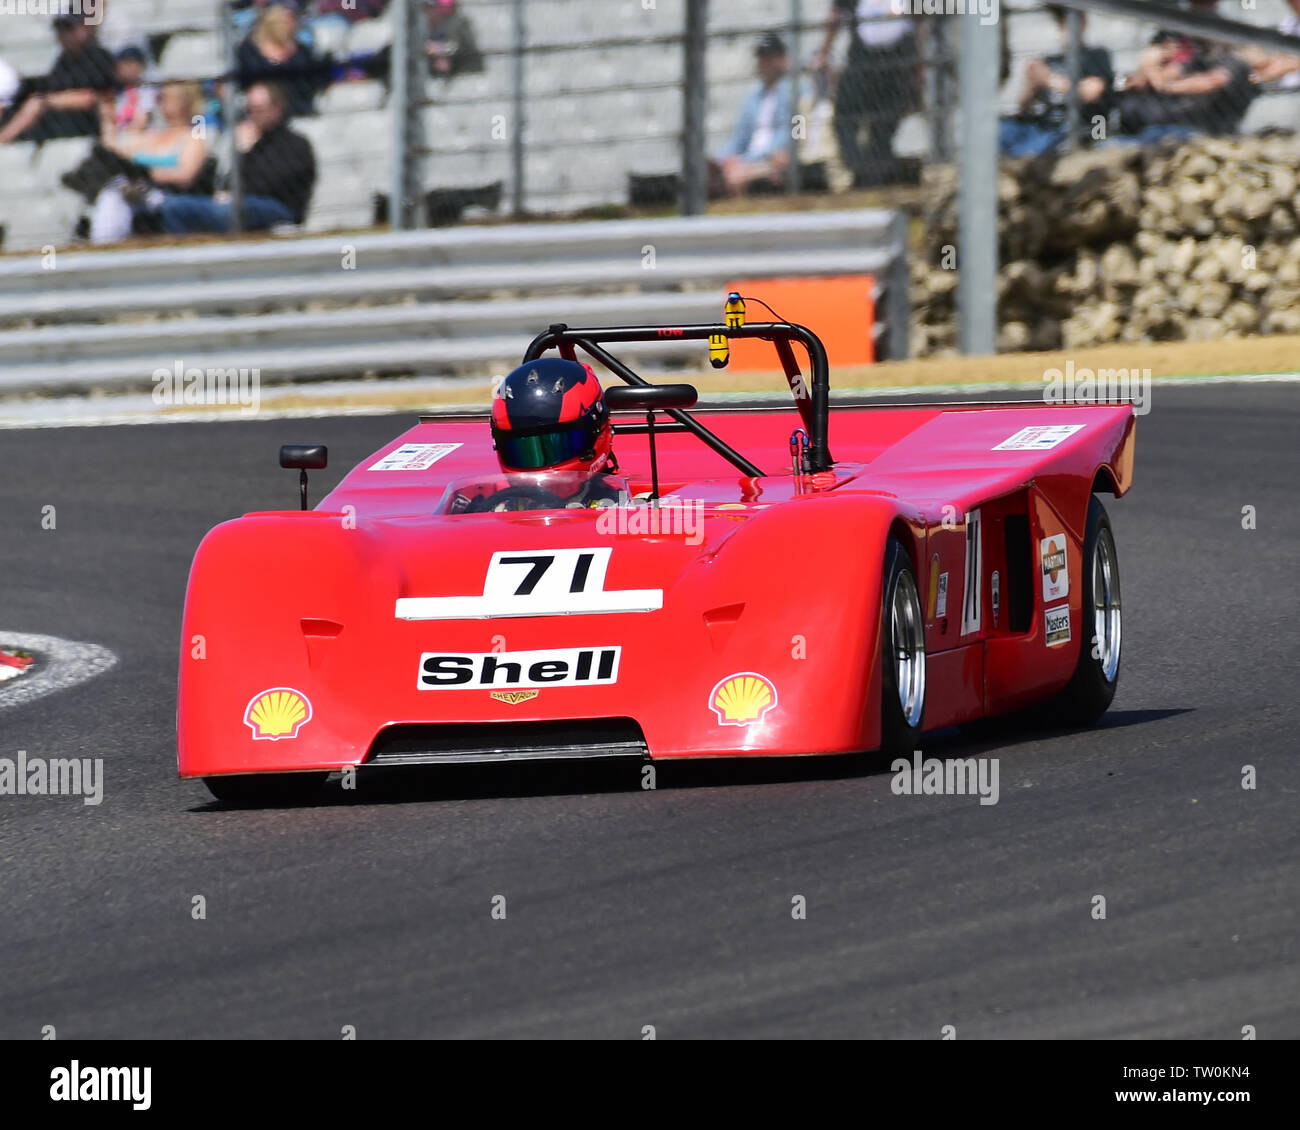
742	698
277	713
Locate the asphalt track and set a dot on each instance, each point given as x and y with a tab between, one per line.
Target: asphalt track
670	908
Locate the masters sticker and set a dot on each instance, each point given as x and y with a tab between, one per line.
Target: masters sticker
1039	437
1056	577
413	457
1056	625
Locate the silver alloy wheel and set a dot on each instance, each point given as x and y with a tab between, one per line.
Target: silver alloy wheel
1106	603
907	636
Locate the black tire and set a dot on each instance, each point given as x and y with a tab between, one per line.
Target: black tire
247	790
1089	692
899	733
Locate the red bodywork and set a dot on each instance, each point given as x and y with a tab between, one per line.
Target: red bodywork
785	583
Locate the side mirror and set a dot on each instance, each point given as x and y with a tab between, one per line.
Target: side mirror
651	398
304	457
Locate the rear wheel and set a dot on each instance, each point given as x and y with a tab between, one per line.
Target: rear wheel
250	789
902	655
1092	687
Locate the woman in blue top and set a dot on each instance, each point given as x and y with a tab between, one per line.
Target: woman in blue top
173	154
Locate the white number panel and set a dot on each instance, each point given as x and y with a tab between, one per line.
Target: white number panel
524	582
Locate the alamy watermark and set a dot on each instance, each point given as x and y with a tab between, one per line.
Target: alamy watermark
76	1083
54	776
91	11
1081	385
986	10
952	776
669	517
200	387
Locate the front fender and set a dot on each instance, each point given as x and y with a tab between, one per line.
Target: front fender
795	596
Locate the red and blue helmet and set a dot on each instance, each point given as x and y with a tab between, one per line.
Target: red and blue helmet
550	414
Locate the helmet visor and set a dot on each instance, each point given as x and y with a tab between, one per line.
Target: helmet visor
545	449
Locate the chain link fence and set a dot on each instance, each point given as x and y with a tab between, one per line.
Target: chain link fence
1148	181
479	107
1139	80
573	107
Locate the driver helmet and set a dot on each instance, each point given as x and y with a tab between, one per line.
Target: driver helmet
550	414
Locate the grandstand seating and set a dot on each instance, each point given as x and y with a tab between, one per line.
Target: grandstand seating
594	112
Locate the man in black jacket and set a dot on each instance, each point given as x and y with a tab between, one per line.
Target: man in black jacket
1185	84
65	103
878	87
277	172
1040	125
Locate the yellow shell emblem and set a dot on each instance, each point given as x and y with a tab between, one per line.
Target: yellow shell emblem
276	714
743	698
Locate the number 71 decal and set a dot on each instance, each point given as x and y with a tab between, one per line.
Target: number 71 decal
521	582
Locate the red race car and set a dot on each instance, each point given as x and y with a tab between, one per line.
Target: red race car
722	583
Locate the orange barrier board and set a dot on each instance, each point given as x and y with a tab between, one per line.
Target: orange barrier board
839	309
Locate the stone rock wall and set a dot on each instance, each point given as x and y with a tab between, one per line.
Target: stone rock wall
1197	242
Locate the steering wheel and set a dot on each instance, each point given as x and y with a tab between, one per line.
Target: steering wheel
515	499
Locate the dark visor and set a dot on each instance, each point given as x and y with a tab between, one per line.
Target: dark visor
545	449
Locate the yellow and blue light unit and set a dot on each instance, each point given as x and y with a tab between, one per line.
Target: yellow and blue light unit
734	316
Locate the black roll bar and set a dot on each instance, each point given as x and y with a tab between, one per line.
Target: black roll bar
816	414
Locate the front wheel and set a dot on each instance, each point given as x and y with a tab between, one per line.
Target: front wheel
1090	690
265	789
902	655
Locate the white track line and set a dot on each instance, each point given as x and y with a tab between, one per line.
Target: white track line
63	664
83	412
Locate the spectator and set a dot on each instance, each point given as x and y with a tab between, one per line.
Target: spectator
877	88
820	169
1040	125
1281	67
1186	85
117	34
9	84
350	12
277	172
173	156
758	152
135	99
247	12
451	46
65	103
244	14
273	53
